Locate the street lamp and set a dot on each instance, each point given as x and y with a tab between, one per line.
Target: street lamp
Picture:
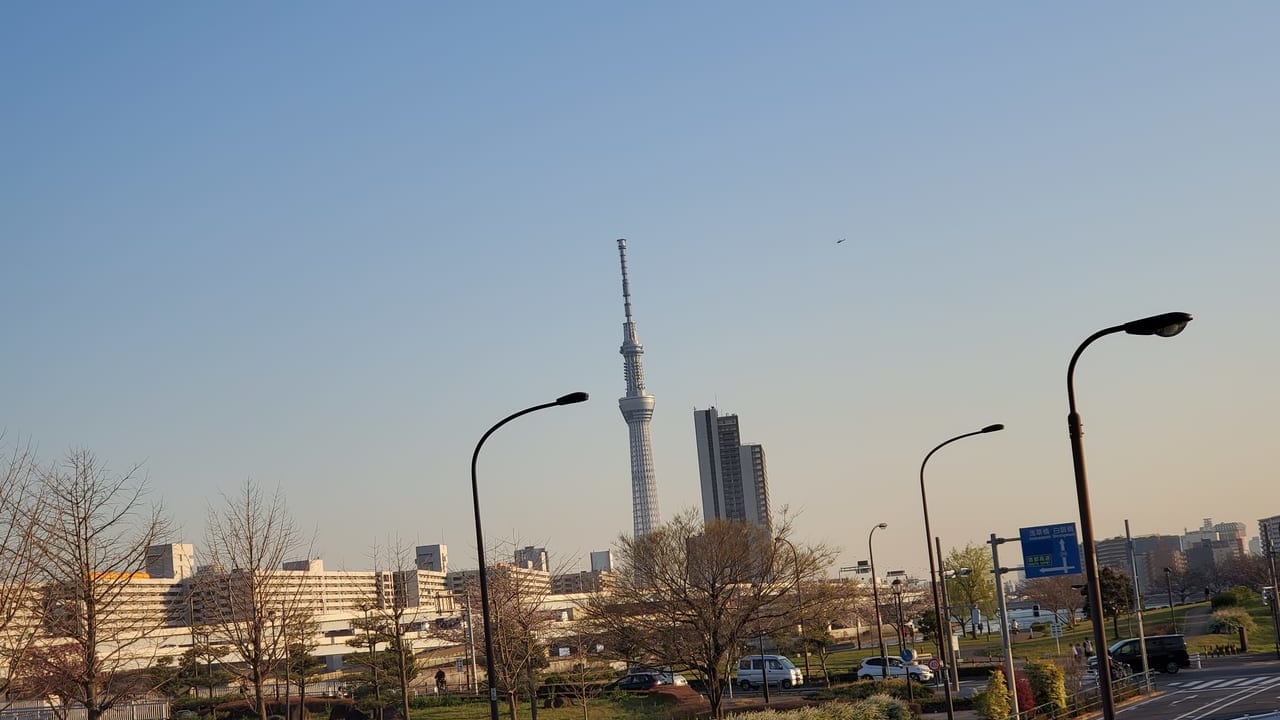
569	399
896	585
875	597
1168	586
944	646
1164	325
804	642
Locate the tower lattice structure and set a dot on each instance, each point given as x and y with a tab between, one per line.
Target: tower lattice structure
637	410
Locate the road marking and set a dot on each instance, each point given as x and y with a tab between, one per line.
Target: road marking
1238	695
1226	683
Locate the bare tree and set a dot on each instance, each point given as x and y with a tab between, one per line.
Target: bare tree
93	540
518	624
247	599
20	512
390	620
1056	594
689	593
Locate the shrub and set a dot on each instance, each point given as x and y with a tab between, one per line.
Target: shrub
1026	697
864	689
1238	596
993	702
1048	684
1228	619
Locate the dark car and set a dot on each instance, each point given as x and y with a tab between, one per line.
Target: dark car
637	682
1166	653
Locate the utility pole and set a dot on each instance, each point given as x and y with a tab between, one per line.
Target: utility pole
995	543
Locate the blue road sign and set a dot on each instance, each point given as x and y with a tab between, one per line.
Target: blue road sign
1049	550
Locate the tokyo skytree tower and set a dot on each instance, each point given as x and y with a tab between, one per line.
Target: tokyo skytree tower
637	409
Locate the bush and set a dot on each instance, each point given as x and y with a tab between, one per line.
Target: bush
864	689
993	702
1026	697
1048	684
1238	596
1227	619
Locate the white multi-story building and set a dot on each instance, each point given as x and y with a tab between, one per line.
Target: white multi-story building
734	478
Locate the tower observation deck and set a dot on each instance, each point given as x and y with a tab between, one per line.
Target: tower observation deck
637	410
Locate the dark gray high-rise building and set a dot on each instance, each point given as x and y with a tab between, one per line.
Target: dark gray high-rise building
734	477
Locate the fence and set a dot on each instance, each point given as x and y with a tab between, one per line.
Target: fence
1090	699
40	710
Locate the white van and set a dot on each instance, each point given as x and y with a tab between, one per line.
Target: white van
755	670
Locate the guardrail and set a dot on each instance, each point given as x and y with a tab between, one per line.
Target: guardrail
1090	699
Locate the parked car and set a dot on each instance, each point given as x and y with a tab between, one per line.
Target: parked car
872	669
1166	653
668	677
637	682
755	670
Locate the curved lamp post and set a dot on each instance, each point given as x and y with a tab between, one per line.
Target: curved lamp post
1164	325
569	399
935	569
804	642
875	597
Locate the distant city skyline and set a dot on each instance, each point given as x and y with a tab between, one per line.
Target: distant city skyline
326	248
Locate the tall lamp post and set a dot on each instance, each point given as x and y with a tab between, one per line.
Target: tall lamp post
896	586
935	569
804	642
875	598
1165	325
569	399
1168	586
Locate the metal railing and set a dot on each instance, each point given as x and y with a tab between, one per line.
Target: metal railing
39	710
1089	699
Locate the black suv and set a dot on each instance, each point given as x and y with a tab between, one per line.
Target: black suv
1166	653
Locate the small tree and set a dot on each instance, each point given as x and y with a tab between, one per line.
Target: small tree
993	702
1048	684
303	668
973	583
1117	596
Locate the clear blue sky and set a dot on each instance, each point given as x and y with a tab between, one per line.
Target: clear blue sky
325	246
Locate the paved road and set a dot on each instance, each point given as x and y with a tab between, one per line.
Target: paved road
1219	693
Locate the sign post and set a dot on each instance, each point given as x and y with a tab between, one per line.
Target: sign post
1050	550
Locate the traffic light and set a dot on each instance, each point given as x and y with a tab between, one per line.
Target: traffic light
1035	610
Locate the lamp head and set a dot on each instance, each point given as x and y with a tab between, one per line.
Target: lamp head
882	525
571	398
993	428
1168	570
1164	325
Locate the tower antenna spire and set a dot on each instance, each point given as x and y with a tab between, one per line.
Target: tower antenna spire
626	284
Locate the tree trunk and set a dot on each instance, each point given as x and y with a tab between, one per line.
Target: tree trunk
511	703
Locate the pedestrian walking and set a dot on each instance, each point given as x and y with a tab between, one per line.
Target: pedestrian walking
440	681
1075	654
